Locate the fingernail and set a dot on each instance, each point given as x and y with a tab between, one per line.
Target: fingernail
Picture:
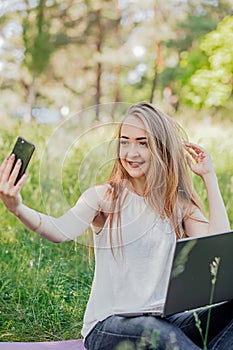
12	156
19	161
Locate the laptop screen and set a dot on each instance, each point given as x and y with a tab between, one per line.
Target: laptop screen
201	272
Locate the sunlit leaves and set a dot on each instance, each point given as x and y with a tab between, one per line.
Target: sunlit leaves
212	85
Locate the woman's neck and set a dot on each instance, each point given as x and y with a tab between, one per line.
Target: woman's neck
137	186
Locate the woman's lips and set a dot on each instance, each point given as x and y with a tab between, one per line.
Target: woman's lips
135	164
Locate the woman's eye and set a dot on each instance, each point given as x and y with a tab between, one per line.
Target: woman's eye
123	143
143	144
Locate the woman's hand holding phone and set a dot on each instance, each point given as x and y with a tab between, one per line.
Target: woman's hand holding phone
9	191
13	176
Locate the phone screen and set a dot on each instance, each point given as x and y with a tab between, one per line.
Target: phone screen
23	150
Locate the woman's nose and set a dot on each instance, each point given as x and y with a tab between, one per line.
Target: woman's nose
132	150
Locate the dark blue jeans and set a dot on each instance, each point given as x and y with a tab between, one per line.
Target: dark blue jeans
177	332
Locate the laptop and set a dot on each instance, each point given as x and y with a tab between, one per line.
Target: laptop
191	281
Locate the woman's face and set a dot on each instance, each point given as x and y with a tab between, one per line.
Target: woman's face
134	152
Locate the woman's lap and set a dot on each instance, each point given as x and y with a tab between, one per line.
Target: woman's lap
176	332
131	333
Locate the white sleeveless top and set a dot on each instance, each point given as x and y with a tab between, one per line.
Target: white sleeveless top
136	280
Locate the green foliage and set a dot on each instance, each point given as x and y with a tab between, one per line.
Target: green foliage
80	53
190	62
190	30
214	266
211	84
154	339
191	57
37	40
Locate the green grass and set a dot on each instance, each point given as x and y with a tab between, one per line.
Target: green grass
44	287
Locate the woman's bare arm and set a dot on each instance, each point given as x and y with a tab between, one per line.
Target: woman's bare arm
70	225
218	221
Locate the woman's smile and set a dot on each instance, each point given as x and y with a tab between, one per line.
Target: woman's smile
134	164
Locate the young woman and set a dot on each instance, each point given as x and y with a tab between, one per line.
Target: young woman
136	217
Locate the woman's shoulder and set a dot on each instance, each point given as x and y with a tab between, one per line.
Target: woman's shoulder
97	190
98	195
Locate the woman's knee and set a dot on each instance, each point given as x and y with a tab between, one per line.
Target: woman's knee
144	332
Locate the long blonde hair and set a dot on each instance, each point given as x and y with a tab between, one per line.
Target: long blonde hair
169	187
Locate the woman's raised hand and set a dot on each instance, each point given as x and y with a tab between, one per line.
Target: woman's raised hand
199	160
9	191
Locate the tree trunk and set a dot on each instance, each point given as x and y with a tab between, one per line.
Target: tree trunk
158	67
30	100
98	90
99	65
154	81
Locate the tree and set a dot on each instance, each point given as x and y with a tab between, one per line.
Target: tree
38	49
202	17
211	85
80	53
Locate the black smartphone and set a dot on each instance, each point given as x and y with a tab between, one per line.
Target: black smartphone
23	150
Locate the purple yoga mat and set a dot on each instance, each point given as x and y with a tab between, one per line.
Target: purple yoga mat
53	345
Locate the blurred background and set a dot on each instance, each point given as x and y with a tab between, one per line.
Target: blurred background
68	70
57	57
